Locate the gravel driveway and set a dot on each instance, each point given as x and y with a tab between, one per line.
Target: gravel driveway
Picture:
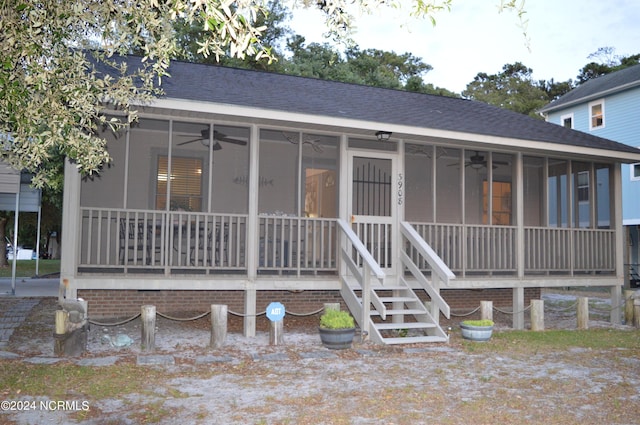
300	382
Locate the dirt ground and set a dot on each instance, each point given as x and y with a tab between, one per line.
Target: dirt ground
249	381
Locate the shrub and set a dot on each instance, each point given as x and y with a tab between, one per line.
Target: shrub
484	322
336	319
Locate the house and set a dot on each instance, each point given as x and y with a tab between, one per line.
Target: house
242	188
609	106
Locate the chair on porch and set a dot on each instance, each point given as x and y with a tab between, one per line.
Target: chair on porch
135	242
213	247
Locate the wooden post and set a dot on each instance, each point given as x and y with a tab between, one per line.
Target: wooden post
636	312
218	325
61	330
628	306
583	313
537	315
486	310
276	331
148	316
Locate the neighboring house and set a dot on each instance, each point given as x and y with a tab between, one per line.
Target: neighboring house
241	187
609	106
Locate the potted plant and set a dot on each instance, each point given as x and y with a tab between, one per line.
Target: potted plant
477	330
337	329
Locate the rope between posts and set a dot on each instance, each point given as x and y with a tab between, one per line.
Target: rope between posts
200	316
185	319
288	312
465	314
562	310
511	312
93	322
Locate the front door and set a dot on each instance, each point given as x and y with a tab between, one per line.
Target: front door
373	200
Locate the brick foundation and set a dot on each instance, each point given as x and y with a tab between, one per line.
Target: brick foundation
124	303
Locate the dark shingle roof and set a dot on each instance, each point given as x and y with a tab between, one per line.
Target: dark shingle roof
256	89
610	83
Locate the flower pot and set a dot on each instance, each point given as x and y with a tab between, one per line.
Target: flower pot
337	339
476	333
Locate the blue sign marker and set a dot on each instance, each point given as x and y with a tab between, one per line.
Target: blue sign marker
275	312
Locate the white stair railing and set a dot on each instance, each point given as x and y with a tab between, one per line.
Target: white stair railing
440	272
362	266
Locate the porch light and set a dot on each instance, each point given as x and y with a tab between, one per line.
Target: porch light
383	136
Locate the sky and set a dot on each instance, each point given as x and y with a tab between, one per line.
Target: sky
473	37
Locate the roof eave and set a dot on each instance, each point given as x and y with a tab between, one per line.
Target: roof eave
323	120
551	108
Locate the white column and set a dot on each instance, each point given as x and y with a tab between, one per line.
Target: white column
616	291
71	225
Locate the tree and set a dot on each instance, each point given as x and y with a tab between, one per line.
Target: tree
52	101
512	89
607	62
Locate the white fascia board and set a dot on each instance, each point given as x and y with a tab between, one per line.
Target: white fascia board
585	99
270	114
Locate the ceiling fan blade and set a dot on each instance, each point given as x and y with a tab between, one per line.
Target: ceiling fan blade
223	138
188	141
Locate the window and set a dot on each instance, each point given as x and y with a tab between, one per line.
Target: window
583	186
500	203
596	111
567	121
635	171
185	182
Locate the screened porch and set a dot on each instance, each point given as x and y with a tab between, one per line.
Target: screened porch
203	198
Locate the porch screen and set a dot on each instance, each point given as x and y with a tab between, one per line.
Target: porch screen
184	183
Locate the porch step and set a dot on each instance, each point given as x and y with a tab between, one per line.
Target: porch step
414	339
409	325
397	299
394	299
398	312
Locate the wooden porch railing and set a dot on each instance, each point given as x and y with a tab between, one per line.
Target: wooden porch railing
180	241
129	241
485	250
296	245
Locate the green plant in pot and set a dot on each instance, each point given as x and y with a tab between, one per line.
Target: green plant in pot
337	329
477	330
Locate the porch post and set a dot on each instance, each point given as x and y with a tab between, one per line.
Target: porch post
71	225
616	291
343	202
518	293
250	295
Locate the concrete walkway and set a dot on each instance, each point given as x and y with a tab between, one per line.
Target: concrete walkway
29	291
31	287
14	317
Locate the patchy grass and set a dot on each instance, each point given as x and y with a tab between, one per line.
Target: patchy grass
27	268
58	380
557	340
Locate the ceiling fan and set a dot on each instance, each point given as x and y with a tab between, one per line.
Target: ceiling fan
477	161
217	137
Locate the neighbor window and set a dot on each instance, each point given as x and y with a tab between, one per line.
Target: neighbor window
596	110
567	121
635	171
583	186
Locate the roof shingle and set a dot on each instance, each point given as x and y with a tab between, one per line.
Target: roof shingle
257	89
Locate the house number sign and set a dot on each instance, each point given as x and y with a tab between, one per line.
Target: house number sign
400	189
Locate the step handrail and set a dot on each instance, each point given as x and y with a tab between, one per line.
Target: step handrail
435	262
367	258
369	267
